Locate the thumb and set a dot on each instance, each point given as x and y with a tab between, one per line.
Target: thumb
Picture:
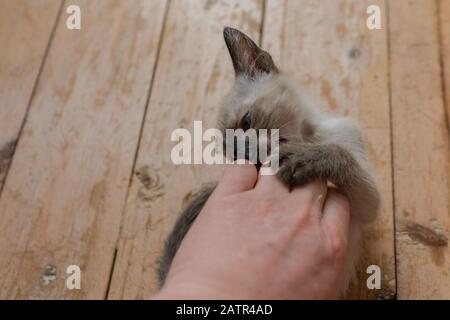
237	178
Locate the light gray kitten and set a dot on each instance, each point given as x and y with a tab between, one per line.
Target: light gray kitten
312	145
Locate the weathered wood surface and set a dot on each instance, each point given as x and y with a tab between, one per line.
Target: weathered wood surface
421	152
194	71
91	181
25	30
329	52
65	192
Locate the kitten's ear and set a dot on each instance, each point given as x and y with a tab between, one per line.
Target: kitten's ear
248	59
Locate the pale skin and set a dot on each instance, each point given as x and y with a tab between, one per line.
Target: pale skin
257	239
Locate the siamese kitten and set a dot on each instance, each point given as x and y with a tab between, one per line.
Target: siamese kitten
312	145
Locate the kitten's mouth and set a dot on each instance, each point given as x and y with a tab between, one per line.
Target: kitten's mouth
258	164
246	153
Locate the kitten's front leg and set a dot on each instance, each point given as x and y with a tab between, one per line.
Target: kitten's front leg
301	163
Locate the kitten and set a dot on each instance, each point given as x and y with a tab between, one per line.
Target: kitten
312	145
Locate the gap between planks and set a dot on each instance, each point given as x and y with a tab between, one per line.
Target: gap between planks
147	101
30	100
391	125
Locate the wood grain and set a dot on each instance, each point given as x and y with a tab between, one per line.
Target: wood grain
330	53
421	152
194	71
63	200
25	29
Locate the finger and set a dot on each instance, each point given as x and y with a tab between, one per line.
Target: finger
237	178
268	182
315	191
336	211
312	195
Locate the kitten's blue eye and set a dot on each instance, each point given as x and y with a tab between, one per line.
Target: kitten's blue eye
246	121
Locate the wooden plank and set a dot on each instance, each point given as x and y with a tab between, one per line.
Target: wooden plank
329	52
421	152
194	71
66	189
25	29
444	11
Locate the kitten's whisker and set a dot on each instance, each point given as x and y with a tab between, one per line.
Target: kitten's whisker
286	124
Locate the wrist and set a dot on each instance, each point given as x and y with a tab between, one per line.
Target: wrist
188	291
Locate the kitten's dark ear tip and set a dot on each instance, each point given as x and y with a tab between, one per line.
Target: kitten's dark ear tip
229	33
247	57
227	30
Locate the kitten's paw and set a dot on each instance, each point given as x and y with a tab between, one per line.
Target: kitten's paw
297	168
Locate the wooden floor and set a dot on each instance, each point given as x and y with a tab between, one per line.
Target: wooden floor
86	116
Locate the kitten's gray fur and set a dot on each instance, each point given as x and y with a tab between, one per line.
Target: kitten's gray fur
313	144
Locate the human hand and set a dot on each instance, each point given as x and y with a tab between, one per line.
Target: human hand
256	239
